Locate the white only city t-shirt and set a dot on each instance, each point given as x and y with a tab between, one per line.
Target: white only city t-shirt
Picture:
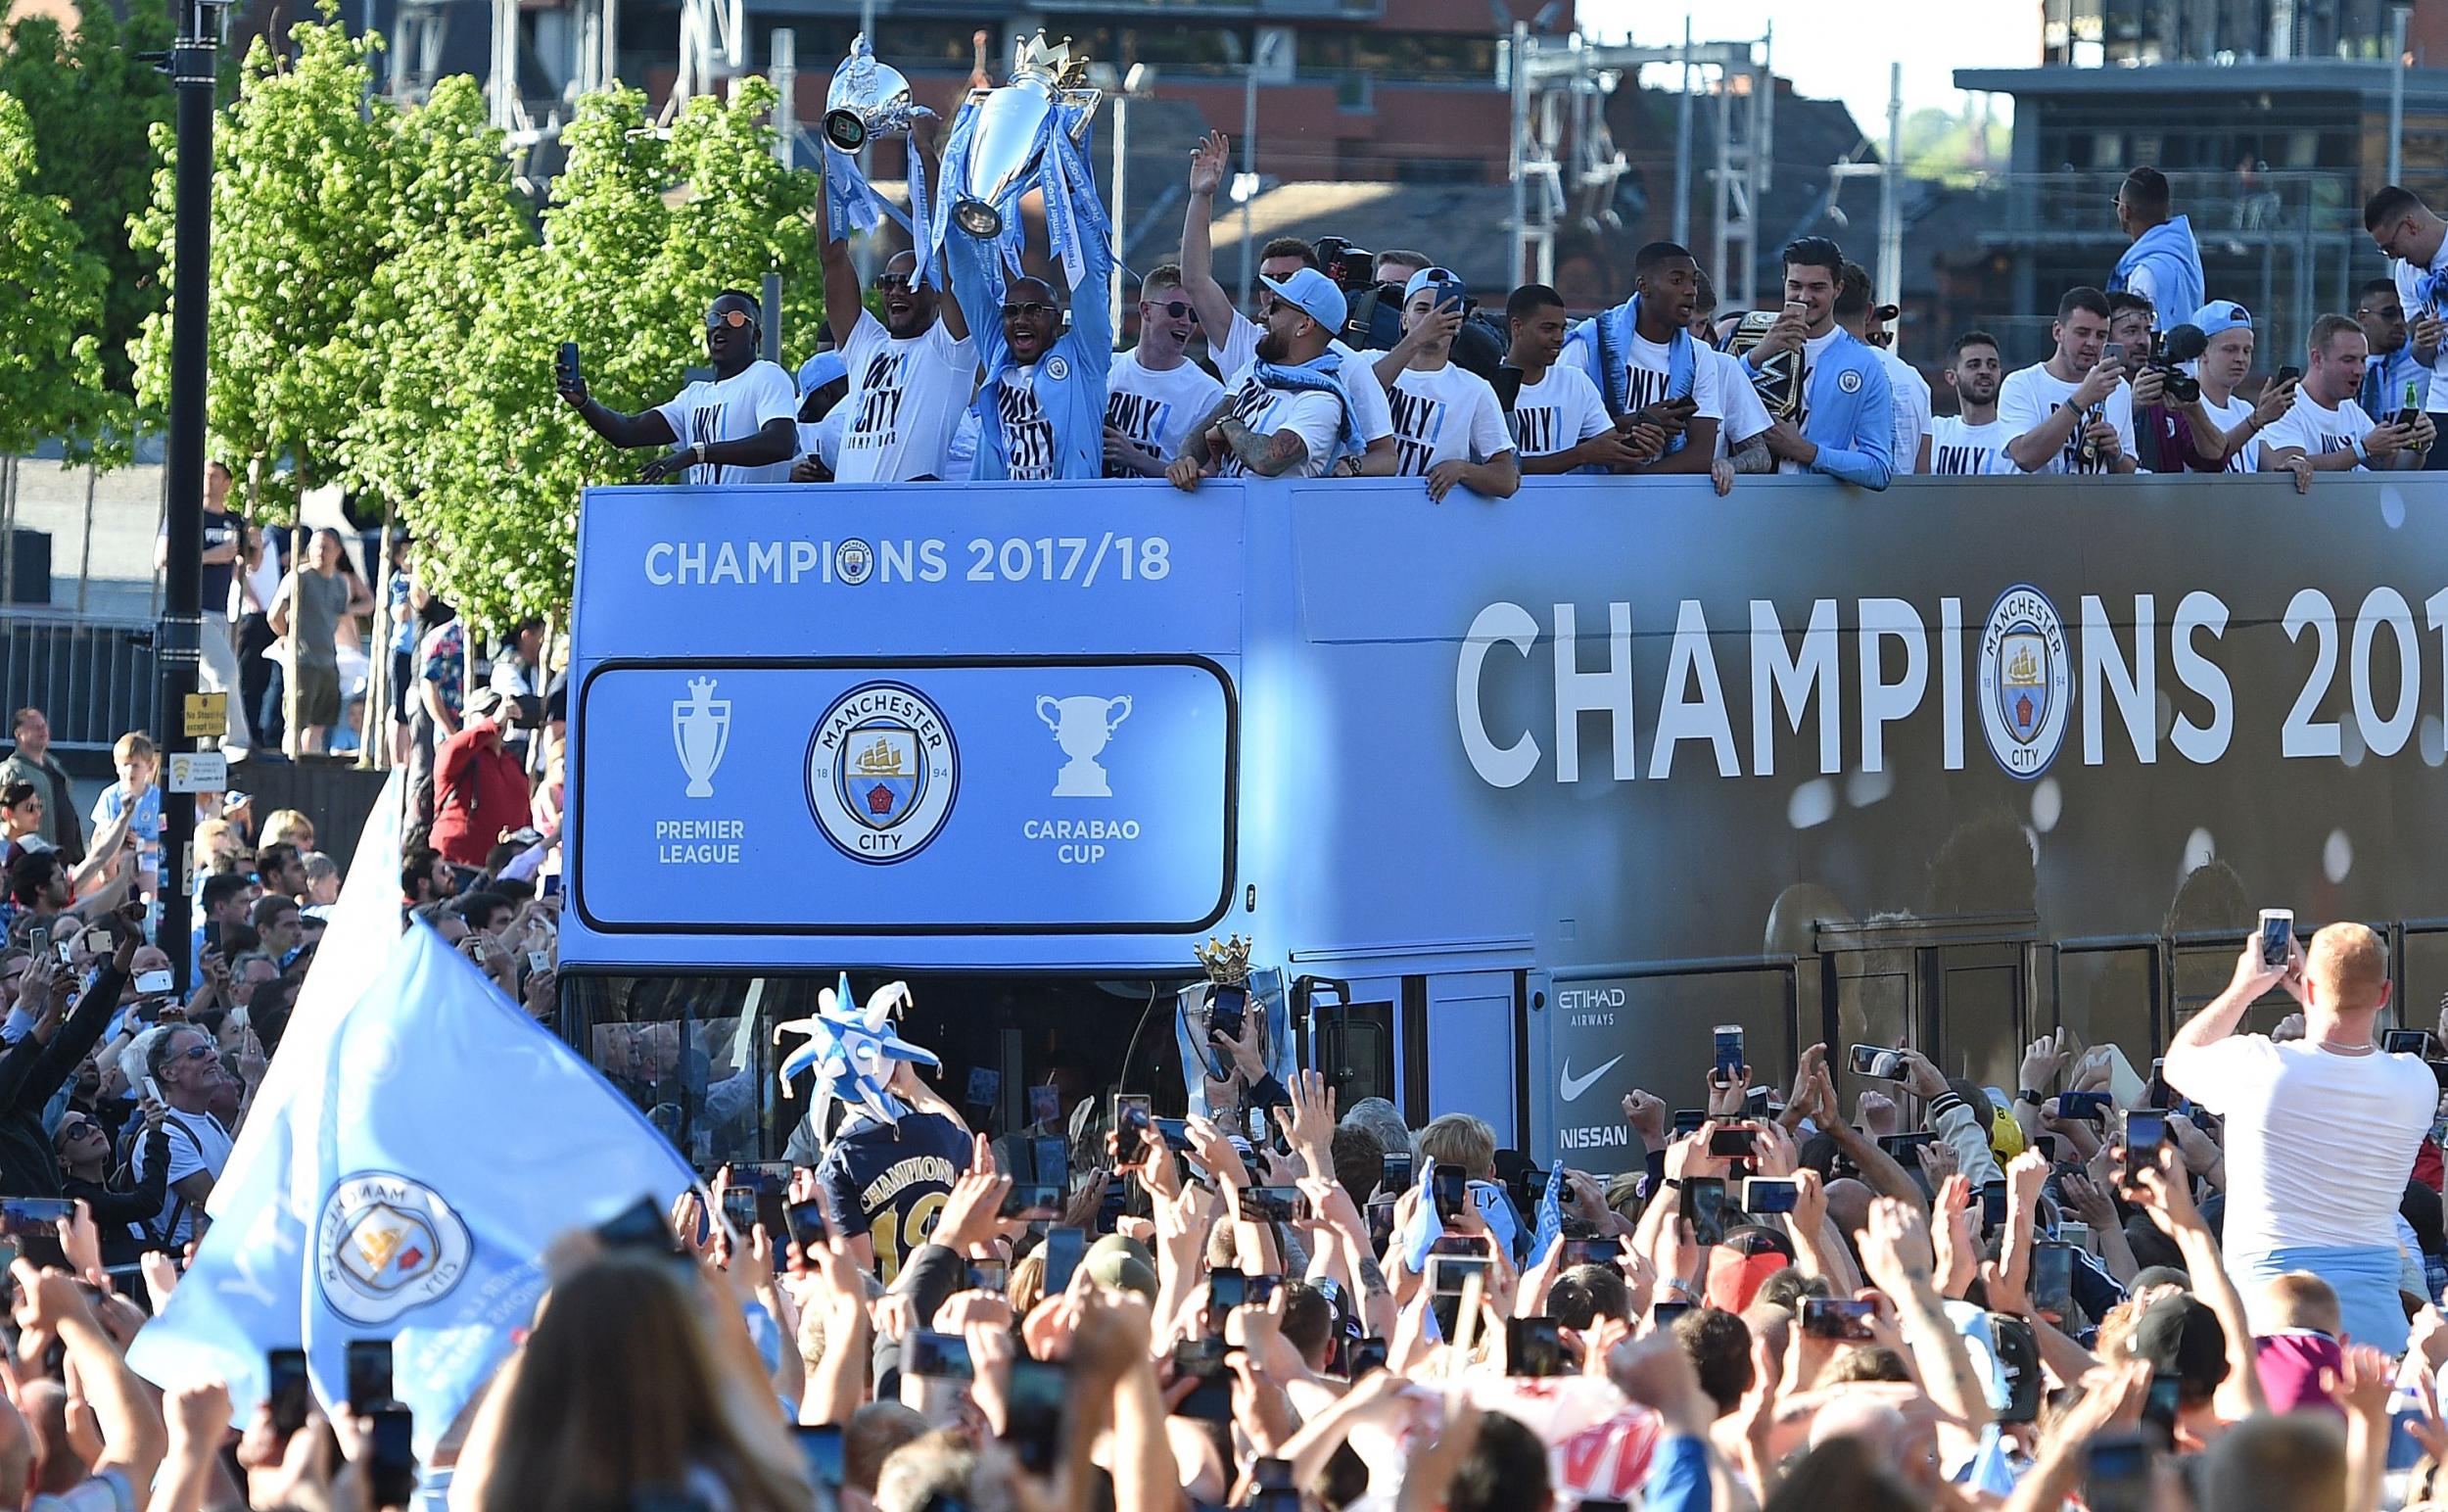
2030	395
2315	430
733	408
905	398
1647	375
1155	411
1960	450
2235	413
1316	416
1449	414
1369	411
1557	413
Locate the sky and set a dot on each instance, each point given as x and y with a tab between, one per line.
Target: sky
1842	49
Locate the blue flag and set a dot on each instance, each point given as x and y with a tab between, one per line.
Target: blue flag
1550	1229
1426	1227
403	1170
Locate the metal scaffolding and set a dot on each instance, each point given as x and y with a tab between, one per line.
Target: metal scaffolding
1559	92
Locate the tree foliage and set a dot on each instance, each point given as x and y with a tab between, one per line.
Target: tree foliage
51	301
92	101
387	304
642	231
302	223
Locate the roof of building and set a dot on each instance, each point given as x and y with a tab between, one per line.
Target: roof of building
2321	76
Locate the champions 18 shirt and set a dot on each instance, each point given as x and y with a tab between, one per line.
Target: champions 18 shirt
891	1181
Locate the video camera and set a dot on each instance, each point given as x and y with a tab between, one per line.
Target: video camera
2183	343
1373	322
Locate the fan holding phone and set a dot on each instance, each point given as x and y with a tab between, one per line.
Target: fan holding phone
2322	1130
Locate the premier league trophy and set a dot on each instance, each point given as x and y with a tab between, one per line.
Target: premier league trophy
1008	146
870	100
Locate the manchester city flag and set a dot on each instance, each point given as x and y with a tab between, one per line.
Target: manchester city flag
402	1181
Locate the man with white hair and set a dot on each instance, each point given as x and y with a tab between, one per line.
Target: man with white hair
2321	1131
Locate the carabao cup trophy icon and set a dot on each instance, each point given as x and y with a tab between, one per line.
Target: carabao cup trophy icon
701	732
1082	726
1013	139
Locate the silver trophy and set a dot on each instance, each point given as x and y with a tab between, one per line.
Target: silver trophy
868	101
1003	153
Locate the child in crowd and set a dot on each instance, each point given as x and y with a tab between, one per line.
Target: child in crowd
139	764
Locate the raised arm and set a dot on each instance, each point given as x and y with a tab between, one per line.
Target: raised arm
1198	285
843	308
2216	1022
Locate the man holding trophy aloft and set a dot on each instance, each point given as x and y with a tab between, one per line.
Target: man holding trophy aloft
1041	411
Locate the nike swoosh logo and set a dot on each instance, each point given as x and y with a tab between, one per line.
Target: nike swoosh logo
1575	1086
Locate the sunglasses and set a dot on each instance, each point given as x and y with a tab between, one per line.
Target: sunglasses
1023	311
194	1052
1174	310
1882	337
72	1130
886	281
736	319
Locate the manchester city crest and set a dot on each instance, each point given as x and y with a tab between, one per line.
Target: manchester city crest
882	771
2026	680
1850	380
385	1244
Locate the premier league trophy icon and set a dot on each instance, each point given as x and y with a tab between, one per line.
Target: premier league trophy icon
1228	994
868	102
1082	726
1031	131
701	732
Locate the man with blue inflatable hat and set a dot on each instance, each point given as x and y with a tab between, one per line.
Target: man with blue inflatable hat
886	1148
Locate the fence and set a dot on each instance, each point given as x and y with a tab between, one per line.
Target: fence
93	677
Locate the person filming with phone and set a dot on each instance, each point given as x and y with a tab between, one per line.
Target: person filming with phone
2326	430
2321	1131
741	427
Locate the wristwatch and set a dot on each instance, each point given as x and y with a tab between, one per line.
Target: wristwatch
696	453
2027	1095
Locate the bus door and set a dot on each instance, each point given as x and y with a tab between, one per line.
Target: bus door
1434	1035
1957	989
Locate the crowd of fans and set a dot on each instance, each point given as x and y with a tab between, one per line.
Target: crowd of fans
2219	1292
2216	1290
1387	364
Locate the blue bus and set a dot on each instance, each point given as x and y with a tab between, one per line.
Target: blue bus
1516	801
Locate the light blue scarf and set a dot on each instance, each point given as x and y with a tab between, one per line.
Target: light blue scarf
1322	374
1615	329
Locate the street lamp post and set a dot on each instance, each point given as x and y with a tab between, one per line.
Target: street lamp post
1138	84
178	636
2397	12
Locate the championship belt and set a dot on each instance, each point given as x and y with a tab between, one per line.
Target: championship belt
1780	383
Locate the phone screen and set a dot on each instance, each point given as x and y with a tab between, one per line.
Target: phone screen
1066	1247
938	1356
1449	1186
288	1391
2278	936
1704	1203
1769	1194
1052	1156
1132	1115
1993	1206
1033	1410
2053	1280
369	1374
1533	1347
2144	1132
1729	1060
819	1446
1836	1317
391	1464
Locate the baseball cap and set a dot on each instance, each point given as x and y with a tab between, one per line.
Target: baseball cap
1123	1264
1737	1268
820	369
1430	275
1315	294
2181	1337
2222	315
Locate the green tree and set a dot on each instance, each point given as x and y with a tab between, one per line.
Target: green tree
51	299
302	223
642	231
92	102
